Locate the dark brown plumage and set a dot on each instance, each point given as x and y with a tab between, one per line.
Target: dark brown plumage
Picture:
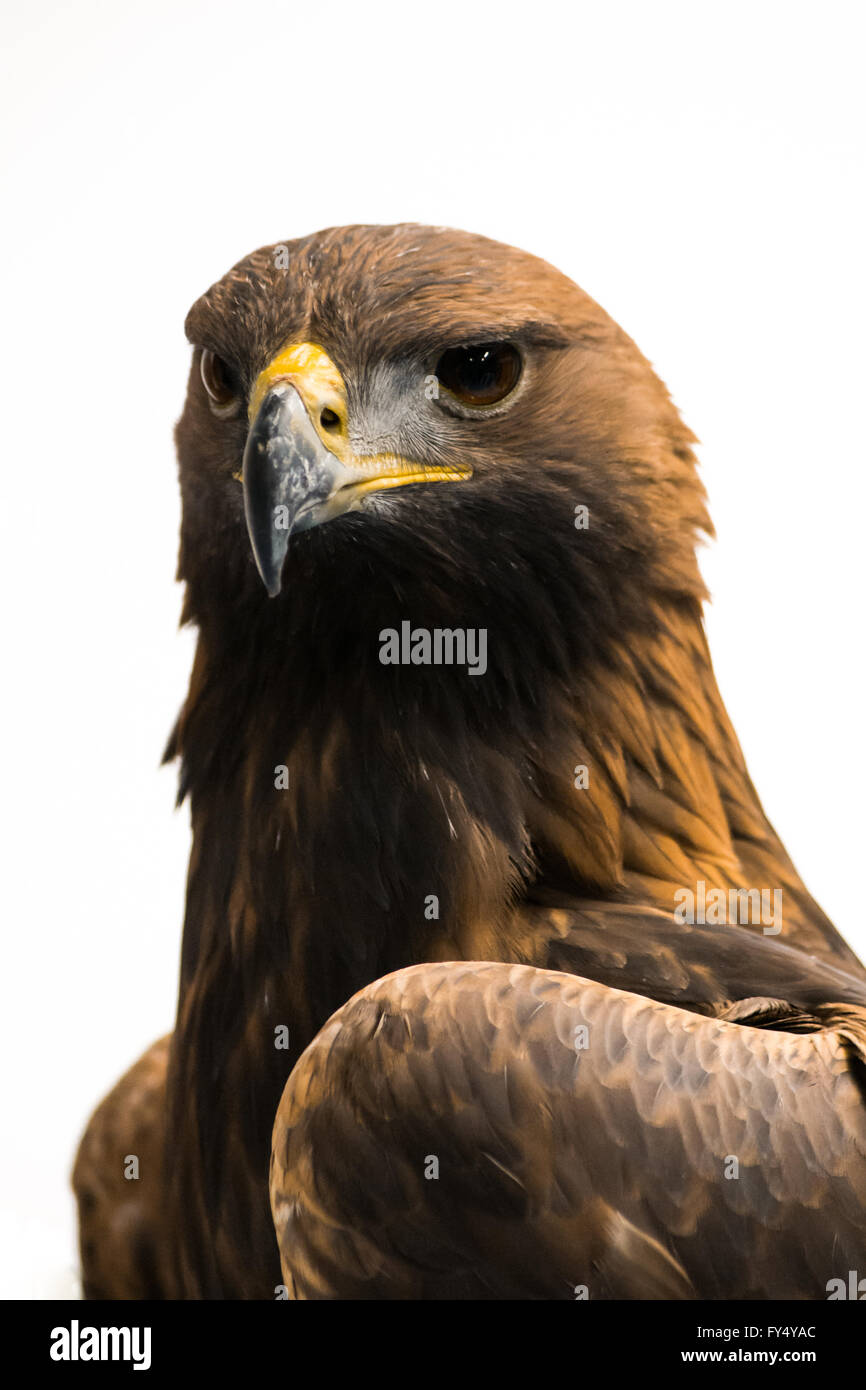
603	1167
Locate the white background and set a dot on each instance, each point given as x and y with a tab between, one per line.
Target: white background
697	168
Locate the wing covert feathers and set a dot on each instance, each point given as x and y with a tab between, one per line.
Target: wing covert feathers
478	1130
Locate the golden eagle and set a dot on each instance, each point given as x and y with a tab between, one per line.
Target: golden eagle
495	980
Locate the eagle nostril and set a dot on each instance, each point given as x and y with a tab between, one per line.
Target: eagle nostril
329	420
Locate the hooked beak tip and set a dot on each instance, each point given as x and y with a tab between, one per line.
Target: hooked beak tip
287	473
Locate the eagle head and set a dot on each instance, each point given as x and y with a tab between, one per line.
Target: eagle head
416	422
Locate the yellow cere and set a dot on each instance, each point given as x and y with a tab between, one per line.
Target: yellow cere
320	385
311	372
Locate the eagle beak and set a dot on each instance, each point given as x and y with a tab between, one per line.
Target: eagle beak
299	465
289	477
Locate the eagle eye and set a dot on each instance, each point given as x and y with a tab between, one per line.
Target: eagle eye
481	374
220	383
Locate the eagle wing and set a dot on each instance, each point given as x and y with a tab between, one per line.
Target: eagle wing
124	1251
648	951
486	1130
